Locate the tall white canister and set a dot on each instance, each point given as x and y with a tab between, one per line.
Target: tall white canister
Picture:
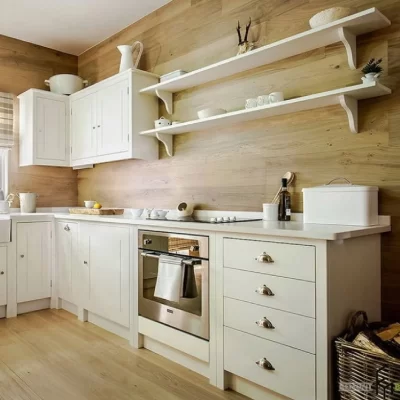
341	204
27	202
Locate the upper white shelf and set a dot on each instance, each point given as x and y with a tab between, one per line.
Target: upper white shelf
347	97
344	30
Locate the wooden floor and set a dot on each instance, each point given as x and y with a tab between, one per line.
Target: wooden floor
50	355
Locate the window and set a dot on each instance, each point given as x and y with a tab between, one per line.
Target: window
4	170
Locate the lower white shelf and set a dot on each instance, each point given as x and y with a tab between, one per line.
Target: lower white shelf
347	97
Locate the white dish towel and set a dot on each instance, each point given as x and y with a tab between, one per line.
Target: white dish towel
169	279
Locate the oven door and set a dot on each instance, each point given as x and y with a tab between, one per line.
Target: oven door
191	313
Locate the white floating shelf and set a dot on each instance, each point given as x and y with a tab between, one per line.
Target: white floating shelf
347	97
344	30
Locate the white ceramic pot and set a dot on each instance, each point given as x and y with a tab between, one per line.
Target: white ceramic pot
159	123
28	202
331	14
371	77
4	207
66	83
210	112
184	209
89	203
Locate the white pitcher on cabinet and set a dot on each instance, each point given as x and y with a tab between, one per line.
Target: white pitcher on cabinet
126	56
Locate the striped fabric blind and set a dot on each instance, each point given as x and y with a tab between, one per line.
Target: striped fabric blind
6	120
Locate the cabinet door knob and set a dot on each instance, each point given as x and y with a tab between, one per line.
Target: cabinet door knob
98	126
265	364
67	228
264	258
22	256
265	323
85	262
2	273
94	127
265	290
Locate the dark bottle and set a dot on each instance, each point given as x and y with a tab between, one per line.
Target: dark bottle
285	210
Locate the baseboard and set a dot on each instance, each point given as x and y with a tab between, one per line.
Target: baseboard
71	308
108	325
177	356
251	390
35	305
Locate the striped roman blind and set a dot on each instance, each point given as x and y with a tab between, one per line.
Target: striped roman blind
6	120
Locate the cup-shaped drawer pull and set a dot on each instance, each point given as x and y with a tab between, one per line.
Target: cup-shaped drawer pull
67	228
264	258
265	323
265	364
265	290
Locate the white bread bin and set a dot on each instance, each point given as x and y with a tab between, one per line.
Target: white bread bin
341	204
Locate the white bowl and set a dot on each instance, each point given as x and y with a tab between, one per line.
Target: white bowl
136	212
89	203
331	14
210	112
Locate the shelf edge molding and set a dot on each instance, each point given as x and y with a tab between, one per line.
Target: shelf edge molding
344	30
346	97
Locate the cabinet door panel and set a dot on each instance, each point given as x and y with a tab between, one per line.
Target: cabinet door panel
107	259
113	119
33	261
51	143
67	261
83	127
3	276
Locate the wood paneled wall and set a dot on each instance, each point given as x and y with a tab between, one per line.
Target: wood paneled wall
23	66
239	167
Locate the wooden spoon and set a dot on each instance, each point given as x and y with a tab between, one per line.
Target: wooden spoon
290	177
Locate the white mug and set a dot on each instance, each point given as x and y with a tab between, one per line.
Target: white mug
270	212
276	97
251	103
263	100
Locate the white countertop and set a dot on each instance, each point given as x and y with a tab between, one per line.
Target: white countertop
291	229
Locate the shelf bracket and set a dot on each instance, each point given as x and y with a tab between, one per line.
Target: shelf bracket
167	141
167	98
350	43
350	105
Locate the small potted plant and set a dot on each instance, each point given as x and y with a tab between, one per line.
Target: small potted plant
372	71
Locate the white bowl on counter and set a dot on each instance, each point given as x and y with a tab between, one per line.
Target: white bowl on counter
210	112
89	203
136	212
66	83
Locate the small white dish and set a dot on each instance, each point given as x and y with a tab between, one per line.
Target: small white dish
250	103
210	112
89	203
136	212
155	214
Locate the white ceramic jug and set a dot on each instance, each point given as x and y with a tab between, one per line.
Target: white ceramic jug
126	56
371	77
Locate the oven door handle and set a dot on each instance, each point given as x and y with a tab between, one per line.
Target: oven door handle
185	260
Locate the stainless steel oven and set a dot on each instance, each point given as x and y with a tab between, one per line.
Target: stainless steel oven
190	313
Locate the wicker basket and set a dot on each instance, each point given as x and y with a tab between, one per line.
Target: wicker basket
364	375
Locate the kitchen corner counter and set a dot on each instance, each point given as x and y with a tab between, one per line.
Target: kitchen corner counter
291	229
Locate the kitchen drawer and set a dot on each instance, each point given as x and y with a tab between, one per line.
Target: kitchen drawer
289	294
289	329
289	260
294	374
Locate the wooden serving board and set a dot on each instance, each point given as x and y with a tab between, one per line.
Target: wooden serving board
94	211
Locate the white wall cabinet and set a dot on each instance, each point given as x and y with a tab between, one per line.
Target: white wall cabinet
44	129
105	260
3	275
106	119
67	261
34	251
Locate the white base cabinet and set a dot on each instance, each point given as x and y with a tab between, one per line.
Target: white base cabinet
67	261
44	129
3	275
104	252
34	254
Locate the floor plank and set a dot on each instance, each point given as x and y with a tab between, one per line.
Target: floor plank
49	355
